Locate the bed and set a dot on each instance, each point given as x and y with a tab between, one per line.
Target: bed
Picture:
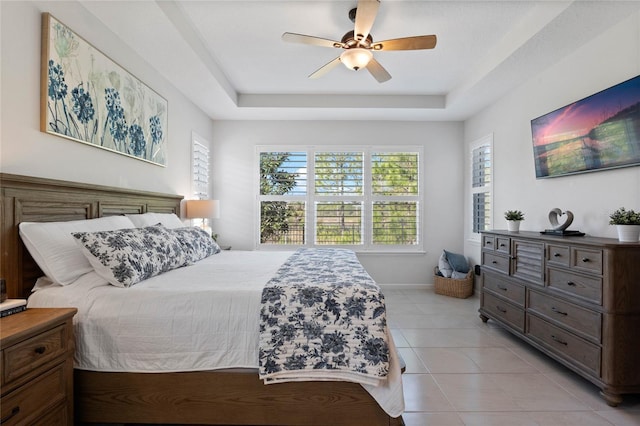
199	396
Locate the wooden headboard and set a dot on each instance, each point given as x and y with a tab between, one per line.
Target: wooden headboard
30	199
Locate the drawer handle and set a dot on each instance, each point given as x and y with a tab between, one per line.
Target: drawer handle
559	340
556	255
585	259
502	245
554	309
495	262
501	309
488	243
501	287
13	413
571	284
40	350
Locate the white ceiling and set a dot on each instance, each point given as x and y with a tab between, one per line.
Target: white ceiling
229	59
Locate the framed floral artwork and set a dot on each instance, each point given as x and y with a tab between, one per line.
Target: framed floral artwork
88	98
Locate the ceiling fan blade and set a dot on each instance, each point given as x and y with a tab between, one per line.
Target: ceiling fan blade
307	39
325	68
407	43
366	12
377	71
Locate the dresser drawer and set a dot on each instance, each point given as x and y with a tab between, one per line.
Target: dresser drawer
558	255
503	245
564	344
504	288
27	403
488	242
586	323
587	288
25	356
587	259
496	262
504	311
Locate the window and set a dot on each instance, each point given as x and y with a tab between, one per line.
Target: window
481	185
363	197
199	170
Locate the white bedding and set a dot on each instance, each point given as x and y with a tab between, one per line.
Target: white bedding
200	317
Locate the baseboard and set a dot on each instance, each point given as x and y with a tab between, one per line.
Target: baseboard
406	286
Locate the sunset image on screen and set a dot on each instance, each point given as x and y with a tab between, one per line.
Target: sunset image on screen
601	131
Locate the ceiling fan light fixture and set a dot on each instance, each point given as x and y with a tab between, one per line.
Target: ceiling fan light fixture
356	58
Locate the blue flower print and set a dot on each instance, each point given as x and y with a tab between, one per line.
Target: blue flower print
136	140
83	109
57	92
115	120
156	129
57	86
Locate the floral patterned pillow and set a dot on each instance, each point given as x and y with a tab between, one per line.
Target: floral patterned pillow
127	256
196	243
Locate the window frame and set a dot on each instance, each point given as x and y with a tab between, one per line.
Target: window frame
367	198
478	143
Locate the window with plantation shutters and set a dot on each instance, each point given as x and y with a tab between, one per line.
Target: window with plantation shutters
362	197
200	170
481	185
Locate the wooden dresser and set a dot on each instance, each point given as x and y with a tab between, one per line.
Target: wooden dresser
37	367
577	299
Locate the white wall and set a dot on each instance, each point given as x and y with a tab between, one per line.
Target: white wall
27	151
611	58
235	182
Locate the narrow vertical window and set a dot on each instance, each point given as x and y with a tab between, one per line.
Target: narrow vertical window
200	170
481	184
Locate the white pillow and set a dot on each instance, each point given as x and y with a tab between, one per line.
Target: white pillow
55	250
168	220
445	267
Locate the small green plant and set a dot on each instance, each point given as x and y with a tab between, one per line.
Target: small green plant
514	215
623	216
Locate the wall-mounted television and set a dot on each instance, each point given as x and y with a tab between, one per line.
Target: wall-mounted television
599	132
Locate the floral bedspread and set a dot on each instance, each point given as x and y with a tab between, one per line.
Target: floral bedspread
323	318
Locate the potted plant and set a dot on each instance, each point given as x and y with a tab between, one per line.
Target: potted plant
514	217
627	224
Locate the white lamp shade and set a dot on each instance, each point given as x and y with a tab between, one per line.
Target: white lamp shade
202	209
356	58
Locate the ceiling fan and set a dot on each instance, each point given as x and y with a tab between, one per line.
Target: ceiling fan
358	45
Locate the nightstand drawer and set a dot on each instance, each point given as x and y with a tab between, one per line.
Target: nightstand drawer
587	288
25	356
582	321
25	404
564	344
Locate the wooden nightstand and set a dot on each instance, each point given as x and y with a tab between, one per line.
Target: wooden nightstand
36	370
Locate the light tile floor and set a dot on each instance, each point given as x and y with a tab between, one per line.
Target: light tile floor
461	371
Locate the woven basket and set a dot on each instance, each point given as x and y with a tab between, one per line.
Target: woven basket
455	288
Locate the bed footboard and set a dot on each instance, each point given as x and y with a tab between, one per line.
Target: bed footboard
221	398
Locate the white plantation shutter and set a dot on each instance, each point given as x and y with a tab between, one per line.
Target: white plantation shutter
358	196
338	173
481	184
200	170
